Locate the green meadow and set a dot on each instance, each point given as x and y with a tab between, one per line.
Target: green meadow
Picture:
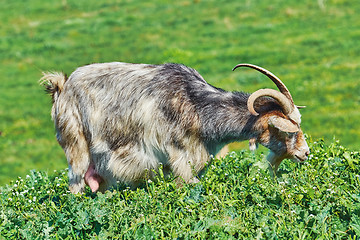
312	45
236	199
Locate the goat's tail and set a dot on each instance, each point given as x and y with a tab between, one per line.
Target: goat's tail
53	83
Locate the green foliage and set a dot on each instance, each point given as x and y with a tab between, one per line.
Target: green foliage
236	199
311	45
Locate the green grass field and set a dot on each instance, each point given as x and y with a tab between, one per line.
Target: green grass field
236	199
312	45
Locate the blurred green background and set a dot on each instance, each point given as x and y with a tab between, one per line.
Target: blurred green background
312	45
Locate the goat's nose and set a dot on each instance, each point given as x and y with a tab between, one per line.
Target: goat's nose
307	153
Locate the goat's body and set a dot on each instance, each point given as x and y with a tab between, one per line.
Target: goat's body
121	121
127	119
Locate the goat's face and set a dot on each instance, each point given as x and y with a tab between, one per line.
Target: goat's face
280	131
284	138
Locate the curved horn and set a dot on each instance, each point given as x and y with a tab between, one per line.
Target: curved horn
284	102
281	86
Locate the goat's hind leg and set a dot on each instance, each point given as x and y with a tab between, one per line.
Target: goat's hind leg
78	157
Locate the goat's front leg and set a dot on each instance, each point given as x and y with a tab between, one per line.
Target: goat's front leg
274	161
183	169
187	163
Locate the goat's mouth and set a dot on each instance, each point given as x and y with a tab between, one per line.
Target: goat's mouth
300	159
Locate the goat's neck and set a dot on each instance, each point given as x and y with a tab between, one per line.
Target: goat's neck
227	120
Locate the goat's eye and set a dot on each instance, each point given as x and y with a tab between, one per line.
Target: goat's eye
291	134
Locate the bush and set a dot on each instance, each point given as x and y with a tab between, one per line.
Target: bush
237	198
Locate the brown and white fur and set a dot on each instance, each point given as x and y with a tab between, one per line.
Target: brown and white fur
120	122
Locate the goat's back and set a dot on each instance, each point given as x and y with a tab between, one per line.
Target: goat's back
122	102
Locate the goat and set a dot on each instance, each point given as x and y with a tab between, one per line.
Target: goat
121	121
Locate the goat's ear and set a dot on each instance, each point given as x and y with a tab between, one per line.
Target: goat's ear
283	124
300	107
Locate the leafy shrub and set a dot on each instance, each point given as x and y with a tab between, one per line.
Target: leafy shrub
236	199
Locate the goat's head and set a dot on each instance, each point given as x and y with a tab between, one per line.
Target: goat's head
279	129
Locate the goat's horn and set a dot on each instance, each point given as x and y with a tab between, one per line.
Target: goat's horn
284	102
281	86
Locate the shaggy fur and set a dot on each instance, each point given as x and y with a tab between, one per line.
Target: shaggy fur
121	121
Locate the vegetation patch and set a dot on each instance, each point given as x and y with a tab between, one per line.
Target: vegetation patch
236	199
313	46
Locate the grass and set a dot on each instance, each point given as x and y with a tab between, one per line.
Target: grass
313	49
311	46
236	199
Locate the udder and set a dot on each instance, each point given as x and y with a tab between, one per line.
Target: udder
92	178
